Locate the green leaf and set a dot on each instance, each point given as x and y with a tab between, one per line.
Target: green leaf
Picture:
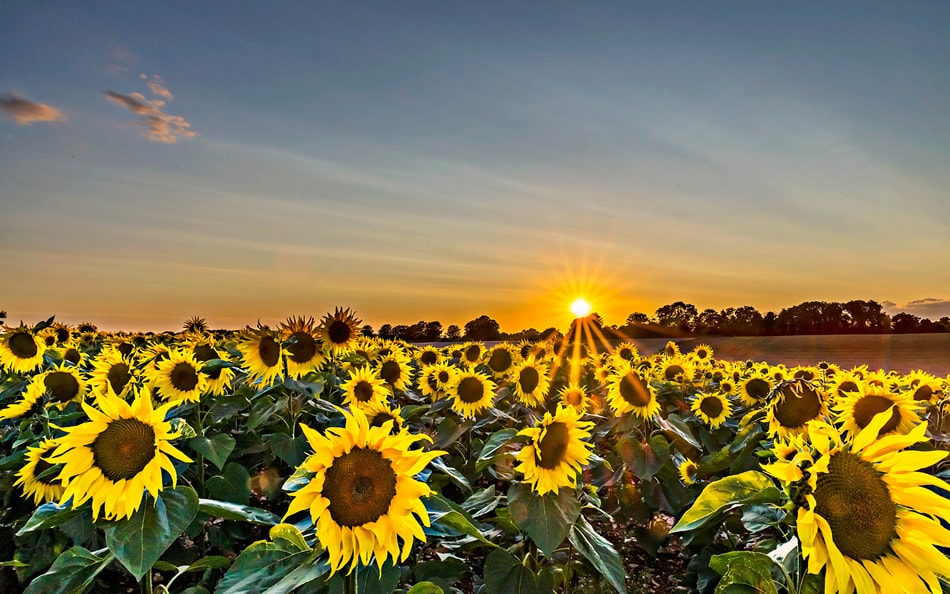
645	458
482	502
748	487
233	484
209	562
290	533
681	428
456	476
601	554
506	575
744	568
493	446
73	571
239	513
139	541
448	514
546	518
48	515
263	565
291	450
215	450
425	588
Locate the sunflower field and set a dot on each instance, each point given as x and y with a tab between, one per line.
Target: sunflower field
309	458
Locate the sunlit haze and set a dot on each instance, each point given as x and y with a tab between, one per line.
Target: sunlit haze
440	161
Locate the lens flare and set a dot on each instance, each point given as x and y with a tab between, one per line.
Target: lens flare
580	307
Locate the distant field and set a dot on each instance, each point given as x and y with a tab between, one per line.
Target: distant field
900	352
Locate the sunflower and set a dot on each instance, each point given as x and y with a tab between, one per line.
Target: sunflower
117	455
688	471
261	351
471	353
676	369
702	353
556	450
378	414
428	355
428	382
845	383
20	350
726	387
530	381
219	379
713	409
71	352
500	359
303	346
340	330
866	515
364	387
856	410
46	338
363	499
395	370
195	325
42	488
153	354
22	406
62	385
178	378
755	391
626	350
472	392
112	371
794	404
576	396
628	391
925	387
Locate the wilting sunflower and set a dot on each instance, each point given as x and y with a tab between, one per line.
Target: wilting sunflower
629	391
20	350
676	369
364	387
805	372
428	355
471	392
855	411
867	516
363	499
500	359
195	325
117	456
396	371
303	346
530	382
340	330
575	396
556	451
794	404
178	378
713	409
755	391
41	488
61	385
688	471
261	351
112	371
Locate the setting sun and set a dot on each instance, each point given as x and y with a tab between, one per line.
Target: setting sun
580	307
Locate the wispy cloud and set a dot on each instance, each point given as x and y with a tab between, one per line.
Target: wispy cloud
26	112
158	125
928	307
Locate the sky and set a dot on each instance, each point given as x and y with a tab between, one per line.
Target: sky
248	161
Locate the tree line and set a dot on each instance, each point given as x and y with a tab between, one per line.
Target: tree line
680	319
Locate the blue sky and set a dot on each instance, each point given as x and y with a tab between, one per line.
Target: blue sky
433	160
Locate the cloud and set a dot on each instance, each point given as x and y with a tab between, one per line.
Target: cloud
26	112
929	307
159	126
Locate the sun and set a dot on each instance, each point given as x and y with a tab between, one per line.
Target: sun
580	307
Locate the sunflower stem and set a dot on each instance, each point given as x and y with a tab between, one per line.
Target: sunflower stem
147	582
349	583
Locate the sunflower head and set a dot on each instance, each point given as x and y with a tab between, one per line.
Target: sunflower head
575	396
500	359
688	471
303	346
793	405
855	411
629	391
677	369
626	350
428	355
20	350
364	387
755	390
34	479
471	392
712	408
395	370
340	330
178	377
113	372
262	353
195	325
61	385
556	450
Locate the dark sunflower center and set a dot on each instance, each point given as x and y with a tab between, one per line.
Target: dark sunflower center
525	350
805	374
672	371
382	418
124	448
339	332
126	348
269	351
304	349
500	360
390	372
626	353
61	386
22	345
634	390
363	391
711	407
473	353
702	353
855	501
528	379
62	334
184	377
757	388
444	376
868	406
428	357
49	340
553	445
118	377
797	406
471	390
72	355
205	352
360	486
42	466
574	397
924	392
847	386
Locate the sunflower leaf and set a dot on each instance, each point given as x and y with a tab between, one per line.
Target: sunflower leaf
546	518
233	484
215	450
139	541
598	550
48	515
493	445
505	574
748	487
745	568
450	515
73	571
240	513
274	567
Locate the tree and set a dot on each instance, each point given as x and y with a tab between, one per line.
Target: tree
367	331
453	333
432	331
709	321
482	328
637	318
678	315
904	323
386	332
